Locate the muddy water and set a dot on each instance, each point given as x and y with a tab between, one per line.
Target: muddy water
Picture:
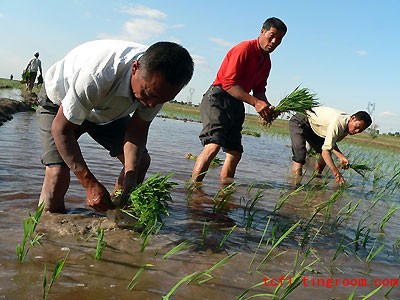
264	167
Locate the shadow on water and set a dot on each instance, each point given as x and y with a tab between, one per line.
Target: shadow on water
245	220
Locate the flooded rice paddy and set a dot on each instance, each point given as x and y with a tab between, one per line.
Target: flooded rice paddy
271	235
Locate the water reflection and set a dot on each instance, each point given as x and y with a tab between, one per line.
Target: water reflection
202	216
13	94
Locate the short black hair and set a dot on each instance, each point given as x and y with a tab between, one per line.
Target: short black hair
171	60
275	23
363	116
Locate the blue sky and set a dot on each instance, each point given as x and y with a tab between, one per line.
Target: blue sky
347	52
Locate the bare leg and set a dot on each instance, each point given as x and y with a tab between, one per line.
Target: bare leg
297	168
55	185
319	165
229	168
203	161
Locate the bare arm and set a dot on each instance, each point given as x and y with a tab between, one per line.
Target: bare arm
68	147
326	155
344	162
134	146
258	101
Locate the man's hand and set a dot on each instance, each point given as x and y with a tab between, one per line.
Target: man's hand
339	178
265	110
98	198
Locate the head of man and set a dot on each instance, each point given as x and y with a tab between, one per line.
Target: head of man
359	122
160	73
36	54
272	33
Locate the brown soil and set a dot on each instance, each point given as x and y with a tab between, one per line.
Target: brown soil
9	107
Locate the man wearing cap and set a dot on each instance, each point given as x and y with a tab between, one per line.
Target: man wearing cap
33	66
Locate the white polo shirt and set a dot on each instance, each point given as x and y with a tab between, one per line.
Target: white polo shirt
329	123
93	82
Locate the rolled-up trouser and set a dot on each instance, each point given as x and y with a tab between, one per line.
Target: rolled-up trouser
300	133
222	116
110	136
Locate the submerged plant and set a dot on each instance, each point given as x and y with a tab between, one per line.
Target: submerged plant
30	224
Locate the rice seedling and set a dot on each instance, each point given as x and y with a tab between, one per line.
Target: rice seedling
343	214
101	244
276	244
373	252
249	212
361	169
222	242
293	283
372	293
388	215
185	245
204	233
134	281
221	198
199	277
299	100
259	243
30	224
282	200
57	270
148	202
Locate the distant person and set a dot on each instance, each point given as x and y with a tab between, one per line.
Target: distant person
11	77
33	66
94	89
245	69
322	129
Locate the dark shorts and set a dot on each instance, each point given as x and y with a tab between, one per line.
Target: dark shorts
300	133
110	136
222	116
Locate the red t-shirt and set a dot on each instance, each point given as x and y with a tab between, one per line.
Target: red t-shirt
246	65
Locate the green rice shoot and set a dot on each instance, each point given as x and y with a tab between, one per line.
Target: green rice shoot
148	202
299	100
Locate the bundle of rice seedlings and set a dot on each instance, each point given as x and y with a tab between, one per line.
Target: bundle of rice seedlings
149	201
298	101
361	169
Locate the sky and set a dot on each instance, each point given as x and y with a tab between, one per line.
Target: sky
346	52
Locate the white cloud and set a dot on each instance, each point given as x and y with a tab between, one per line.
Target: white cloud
200	62
222	42
143	11
144	29
1	15
387	114
362	52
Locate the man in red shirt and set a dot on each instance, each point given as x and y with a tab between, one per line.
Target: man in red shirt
244	69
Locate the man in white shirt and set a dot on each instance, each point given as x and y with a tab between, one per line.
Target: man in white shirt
322	128
94	89
34	65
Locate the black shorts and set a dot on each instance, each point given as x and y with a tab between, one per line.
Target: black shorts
222	116
110	136
300	132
